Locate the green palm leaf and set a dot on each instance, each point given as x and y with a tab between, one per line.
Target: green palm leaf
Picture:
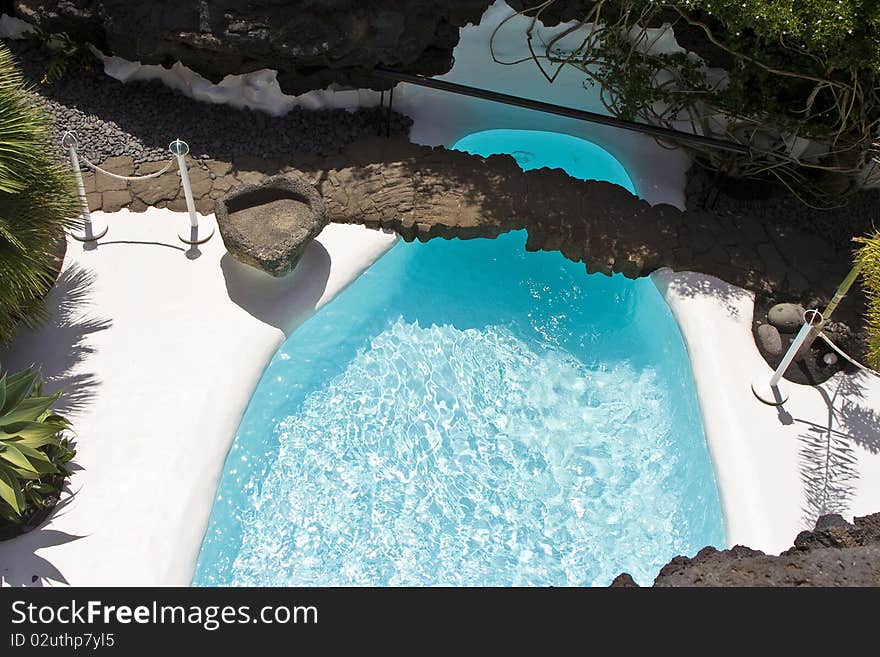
870	255
37	201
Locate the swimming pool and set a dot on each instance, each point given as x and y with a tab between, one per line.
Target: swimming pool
467	413
533	149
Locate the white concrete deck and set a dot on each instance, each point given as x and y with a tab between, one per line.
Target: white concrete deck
777	468
160	354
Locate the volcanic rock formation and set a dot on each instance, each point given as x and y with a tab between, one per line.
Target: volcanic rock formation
311	43
835	553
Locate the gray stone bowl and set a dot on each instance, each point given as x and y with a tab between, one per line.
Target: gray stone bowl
268	225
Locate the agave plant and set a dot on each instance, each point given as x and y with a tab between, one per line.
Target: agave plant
37	201
34	455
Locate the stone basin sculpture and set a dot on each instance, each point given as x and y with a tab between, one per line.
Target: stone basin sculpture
268	225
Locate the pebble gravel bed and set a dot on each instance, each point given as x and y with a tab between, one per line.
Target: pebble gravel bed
140	119
855	215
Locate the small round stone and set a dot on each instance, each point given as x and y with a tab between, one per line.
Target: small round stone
787	317
769	340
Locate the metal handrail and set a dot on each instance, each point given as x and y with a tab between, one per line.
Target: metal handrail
561	110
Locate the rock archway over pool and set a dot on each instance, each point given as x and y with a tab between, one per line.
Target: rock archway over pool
424	193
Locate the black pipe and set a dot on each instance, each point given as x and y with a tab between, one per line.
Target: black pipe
381	107
388	114
583	115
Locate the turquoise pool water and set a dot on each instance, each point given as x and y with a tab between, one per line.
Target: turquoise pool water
467	413
533	149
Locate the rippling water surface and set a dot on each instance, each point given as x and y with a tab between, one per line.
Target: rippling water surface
469	413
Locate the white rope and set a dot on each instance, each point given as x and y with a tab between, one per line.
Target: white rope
118	177
854	362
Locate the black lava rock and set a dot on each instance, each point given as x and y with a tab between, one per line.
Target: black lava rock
140	119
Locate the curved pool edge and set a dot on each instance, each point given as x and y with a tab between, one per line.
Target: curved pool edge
154	435
350	250
754	448
536	149
694	300
252	446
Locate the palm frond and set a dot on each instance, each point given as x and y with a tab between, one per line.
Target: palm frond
870	256
37	201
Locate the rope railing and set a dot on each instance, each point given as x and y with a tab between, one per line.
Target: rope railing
851	360
147	176
94	229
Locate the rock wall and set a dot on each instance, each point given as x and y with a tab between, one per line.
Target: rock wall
835	553
312	43
424	193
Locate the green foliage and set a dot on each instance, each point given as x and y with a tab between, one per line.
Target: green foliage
762	73
37	201
62	53
847	32
34	455
790	48
870	257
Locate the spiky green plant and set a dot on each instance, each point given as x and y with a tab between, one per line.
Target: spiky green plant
37	201
33	452
869	255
